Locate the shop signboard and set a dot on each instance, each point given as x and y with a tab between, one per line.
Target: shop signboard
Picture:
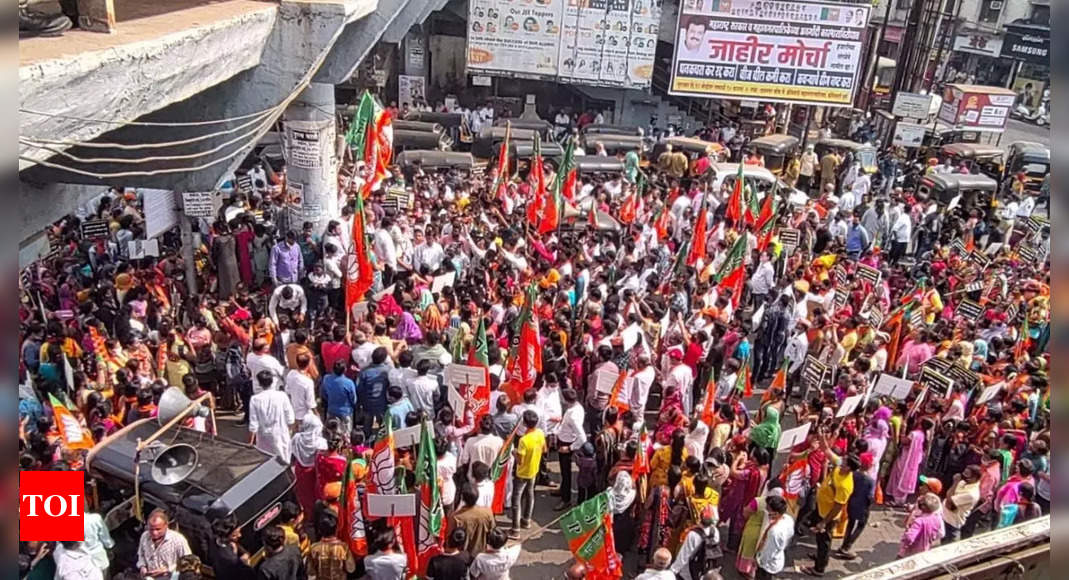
592	42
795	52
908	134
1027	43
976	108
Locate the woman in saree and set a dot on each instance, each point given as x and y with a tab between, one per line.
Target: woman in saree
408	330
672	455
765	435
748	474
671	417
903	479
330	464
622	502
754	513
656	530
307	444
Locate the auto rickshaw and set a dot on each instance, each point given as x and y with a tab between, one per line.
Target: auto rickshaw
986	158
588	164
521	152
196	477
1031	158
613	144
863	152
691	146
406	139
971	190
776	149
605	129
417	126
446	120
487	141
544	128
430	159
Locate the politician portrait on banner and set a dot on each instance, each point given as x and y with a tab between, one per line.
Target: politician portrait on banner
799	52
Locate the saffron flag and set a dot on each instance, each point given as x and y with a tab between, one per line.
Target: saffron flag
642	459
70	430
751	205
500	471
1024	341
734	263
501	183
743	383
351	524
538	192
381	471
734	210
370	137
525	352
614	396
660	223
360	273
709	403
588	530
431	512
765	221
567	174
697	242
479	397
780	380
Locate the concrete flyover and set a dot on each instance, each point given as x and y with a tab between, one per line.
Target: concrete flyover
241	61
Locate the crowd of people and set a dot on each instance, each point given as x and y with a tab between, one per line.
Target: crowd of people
663	381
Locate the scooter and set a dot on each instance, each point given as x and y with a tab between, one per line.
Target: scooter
1041	116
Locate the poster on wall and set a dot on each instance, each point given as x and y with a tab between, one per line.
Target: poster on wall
609	42
411	89
517	39
796	52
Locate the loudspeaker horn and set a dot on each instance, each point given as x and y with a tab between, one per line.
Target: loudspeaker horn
174	464
172	402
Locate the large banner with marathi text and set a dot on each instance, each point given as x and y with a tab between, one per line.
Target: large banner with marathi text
785	51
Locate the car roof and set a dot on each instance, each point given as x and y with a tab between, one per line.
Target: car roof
747	171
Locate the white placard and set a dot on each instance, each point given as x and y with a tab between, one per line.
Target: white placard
305	143
360	310
480	81
198	204
606	381
381	505
848	406
989	393
443	281
407	437
457	374
908	134
455	401
68	372
892	386
138	249
161	211
792	437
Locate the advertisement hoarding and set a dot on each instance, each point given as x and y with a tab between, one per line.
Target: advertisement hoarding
514	39
797	52
1027	43
594	42
976	108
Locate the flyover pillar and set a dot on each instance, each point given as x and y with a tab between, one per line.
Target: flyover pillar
311	154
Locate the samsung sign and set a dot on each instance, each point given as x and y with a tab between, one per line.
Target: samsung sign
1027	43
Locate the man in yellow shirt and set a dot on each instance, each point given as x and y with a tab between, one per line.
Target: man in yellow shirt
528	454
832	496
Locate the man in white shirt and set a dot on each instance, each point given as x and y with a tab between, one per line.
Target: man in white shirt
383	246
681	376
795	352
763	279
570	436
659	567
428	254
73	562
290	299
260	359
423	389
777	529
363	349
901	232
642	380
301	388
271	418
497	560
483	447
861	188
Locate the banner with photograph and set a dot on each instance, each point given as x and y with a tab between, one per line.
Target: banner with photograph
517	39
796	52
411	89
595	42
609	42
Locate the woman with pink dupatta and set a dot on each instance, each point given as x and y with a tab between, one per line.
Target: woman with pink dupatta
876	433
903	479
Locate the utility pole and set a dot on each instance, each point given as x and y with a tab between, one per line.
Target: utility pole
873	56
185	233
934	38
909	41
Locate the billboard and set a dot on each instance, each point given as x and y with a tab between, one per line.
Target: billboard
912	105
595	42
976	108
796	52
908	134
1027	43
